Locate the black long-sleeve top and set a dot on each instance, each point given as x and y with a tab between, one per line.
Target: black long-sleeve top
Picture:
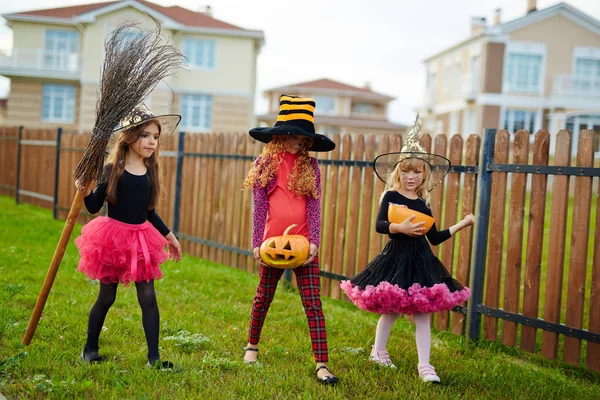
133	199
434	236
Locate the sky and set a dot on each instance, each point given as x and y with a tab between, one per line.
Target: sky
382	42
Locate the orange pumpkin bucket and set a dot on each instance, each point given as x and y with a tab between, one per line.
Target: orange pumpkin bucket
286	251
398	213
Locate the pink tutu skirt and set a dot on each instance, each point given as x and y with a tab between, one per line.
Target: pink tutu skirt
112	251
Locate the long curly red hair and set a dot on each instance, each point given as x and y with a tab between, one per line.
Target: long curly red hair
303	180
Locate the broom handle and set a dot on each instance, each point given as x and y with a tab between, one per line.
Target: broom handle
56	259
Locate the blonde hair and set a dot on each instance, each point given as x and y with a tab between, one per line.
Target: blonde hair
394	181
118	156
303	180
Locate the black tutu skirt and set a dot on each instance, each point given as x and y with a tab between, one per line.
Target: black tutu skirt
405	278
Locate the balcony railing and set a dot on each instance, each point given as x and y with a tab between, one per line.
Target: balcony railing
571	85
40	62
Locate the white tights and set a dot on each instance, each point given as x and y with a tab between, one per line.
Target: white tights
422	336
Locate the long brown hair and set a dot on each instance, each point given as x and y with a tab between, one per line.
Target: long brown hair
117	159
410	164
303	180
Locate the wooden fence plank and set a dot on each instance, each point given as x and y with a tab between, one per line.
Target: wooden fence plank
465	239
375	244
341	229
329	216
437	194
535	240
450	213
208	197
354	209
580	232
239	170
496	235
232	188
593	349
198	177
366	199
512	274
556	250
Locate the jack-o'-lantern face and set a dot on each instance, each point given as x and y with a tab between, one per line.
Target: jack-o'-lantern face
286	251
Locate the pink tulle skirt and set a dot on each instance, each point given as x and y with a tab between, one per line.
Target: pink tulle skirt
112	251
387	298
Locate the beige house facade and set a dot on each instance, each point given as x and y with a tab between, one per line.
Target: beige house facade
340	108
57	55
540	71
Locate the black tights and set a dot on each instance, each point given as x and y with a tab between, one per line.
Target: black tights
150	317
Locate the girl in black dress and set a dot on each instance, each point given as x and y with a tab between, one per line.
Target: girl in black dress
406	277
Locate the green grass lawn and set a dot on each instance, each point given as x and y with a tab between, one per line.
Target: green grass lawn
205	309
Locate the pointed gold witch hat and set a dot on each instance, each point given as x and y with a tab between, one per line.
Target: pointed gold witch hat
384	164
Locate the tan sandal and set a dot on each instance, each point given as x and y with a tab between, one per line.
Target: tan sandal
253	349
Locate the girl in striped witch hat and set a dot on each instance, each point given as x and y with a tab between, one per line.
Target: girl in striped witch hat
286	190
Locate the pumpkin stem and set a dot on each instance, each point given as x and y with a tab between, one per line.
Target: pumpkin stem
289	228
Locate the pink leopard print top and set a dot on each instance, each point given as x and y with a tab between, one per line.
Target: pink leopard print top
260	207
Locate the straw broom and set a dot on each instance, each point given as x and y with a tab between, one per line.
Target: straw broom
136	60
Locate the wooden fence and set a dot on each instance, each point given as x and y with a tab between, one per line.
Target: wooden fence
528	237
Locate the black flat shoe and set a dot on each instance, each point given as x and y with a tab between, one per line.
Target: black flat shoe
92	357
161	365
328	380
250	349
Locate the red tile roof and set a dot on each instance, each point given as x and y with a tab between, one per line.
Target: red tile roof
179	14
329	84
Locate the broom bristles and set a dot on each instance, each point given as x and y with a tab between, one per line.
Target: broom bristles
136	60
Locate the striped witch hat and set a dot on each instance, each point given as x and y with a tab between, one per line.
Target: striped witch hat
296	117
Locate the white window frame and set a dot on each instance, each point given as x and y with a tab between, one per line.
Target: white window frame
364	108
65	59
531	119
321	100
209	53
52	93
525	49
204	104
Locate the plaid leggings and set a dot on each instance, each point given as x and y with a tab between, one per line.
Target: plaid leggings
309	287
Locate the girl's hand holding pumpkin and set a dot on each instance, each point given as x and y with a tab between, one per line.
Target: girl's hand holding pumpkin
256	253
312	253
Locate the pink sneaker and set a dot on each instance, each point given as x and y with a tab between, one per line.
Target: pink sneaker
427	373
381	357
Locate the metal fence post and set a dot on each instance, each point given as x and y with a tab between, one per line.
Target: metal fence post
56	173
178	174
482	216
18	164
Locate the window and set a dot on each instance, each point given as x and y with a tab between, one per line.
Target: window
58	103
587	76
200	53
519	119
363	108
325	105
61	49
196	112
457	77
523	72
447	73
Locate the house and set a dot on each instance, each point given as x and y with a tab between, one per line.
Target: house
57	54
541	70
340	108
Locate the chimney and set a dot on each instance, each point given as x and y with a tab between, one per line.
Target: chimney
208	11
531	6
478	25
368	85
497	16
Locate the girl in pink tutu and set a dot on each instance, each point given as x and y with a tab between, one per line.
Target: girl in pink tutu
406	277
129	244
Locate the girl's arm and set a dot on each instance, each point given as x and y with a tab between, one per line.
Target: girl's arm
436	237
468	220
172	242
384	226
313	209
157	222
94	200
260	207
